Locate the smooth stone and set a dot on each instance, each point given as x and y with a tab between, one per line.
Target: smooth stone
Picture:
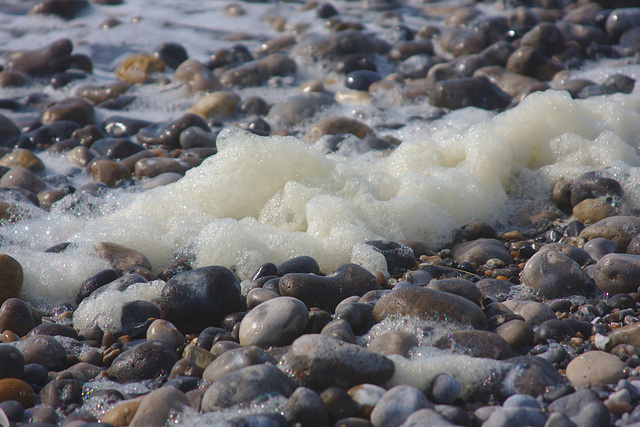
511	83
319	362
553	274
516	333
11	362
161	180
155	166
397	404
617	273
326	292
336	126
144	361
54	329
211	335
257	296
121	257
554	329
162	330
399	257
109	172
516	417
236	359
18	316
429	304
595	368
18	390
306	407
460	287
73	109
48	60
186	367
99	94
584	408
444	389
157	407
244	385
477	344
196	77
216	104
361	79
245	75
494	288
468	92
11	278
168	133
619	229
122	412
61	392
394	342
532	312
366	396
138	68
197	137
13	410
96	281
275	322
621	20
599	247
529	61
359	315
42	349
480	251
9	131
590	211
415	67
335	45
575	253
462	41
255	106
23	178
339	329
24	158
299	264
296	108
202	297
339	403
201	357
405	49
627	334
172	54
427	417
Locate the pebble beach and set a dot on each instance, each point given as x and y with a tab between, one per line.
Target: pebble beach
354	213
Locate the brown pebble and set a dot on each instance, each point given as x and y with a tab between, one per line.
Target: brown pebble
138	68
337	125
16	389
109	172
121	257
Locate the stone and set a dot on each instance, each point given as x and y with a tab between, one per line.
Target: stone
202	297
516	417
11	362
18	390
96	281
234	359
511	83
476	343
618	229
394	342
516	333
73	109
595	368
427	417
201	357
617	273
335	126
24	158
339	403
18	316
121	257
366	396
23	178
326	292
9	131
359	315
339	329
599	247
529	61
462	41
61	392
245	75
480	251
257	296
429	304
168	133
361	79
109	172
584	408
319	362
196	77
46	61
245	384
153	167
11	278
299	264
144	361
157	406
628	334
294	109
275	322
444	389
553	274
553	329
185	367
460	287
468	92
165	331
54	329
397	404
399	257
532	312
197	137
590	211
42	349
306	407
216	104
335	45
138	68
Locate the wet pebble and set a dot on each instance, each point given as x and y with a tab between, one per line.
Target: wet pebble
18	316
595	368
553	274
617	273
44	350
17	390
121	257
168	133
235	359
165	331
305	406
47	60
146	360
275	322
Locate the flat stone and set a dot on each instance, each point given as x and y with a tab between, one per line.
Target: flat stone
460	287
595	368
320	362
429	304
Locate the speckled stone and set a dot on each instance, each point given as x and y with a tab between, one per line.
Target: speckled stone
617	273
619	229
553	274
533	312
320	362
595	368
44	350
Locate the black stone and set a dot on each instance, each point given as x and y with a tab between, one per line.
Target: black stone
361	79
94	282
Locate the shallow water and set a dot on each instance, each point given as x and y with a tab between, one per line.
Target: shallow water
265	199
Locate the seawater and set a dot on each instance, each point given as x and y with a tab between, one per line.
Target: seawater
265	199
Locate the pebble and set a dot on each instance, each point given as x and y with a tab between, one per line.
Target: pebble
11	278
306	407
532	312
155	166
460	287
245	384
617	273
595	368
215	104
44	350
477	344
326	292
394	342
444	389
17	390
583	407
11	362
480	251
45	61
157	407
397	404
427	304
138	68
366	396
553	274
619	229
165	331
319	362
144	361
336	126
121	257
199	298
468	92
196	77
168	133
18	316
235	359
